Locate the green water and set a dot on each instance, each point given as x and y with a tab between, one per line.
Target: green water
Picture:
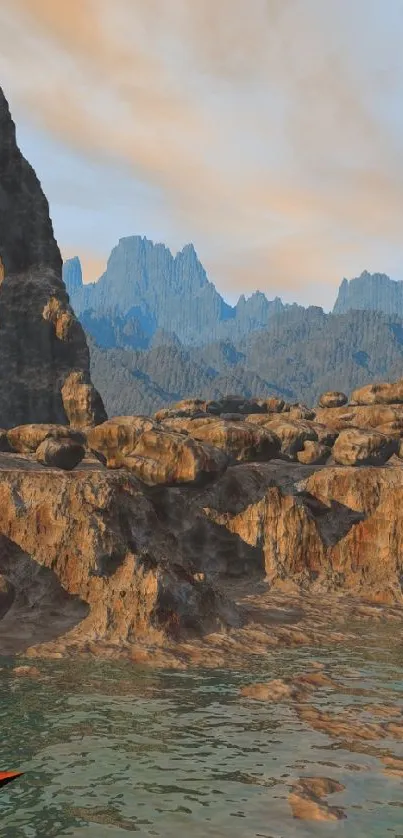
110	750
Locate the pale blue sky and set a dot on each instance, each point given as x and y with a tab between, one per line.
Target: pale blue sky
268	132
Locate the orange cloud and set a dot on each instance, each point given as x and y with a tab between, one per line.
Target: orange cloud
257	120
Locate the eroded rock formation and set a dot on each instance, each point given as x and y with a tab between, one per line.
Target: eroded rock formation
41	342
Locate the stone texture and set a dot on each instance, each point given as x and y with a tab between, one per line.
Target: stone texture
301	412
382	393
41	341
25	439
292	434
81	401
359	447
314	453
332	399
360	416
240	440
318	528
170	459
60	453
86	557
376	292
118	437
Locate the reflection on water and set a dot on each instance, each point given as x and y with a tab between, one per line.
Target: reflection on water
113	750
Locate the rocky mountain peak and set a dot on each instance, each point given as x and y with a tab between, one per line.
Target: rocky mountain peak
42	344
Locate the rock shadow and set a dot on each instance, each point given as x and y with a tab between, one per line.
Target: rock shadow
38	608
333	521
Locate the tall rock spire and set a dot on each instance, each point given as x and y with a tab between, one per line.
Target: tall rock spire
44	371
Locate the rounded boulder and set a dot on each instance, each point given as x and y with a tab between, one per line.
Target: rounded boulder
65	454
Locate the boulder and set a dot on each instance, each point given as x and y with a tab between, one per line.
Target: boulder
231	404
301	412
382	393
60	453
332	399
359	416
314	453
41	341
235	417
260	419
326	436
177	424
25	439
292	435
240	440
394	429
274	405
118	437
171	459
255	406
213	408
81	401
355	447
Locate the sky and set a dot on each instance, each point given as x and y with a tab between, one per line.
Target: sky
267	132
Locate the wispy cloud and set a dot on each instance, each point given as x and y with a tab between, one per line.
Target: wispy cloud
271	127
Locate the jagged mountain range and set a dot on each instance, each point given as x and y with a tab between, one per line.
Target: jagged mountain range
159	331
145	288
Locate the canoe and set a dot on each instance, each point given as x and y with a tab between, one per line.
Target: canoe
8	777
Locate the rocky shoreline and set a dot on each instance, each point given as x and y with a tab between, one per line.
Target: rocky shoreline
194	537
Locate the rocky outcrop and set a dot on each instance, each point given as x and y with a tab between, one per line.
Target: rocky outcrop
355	447
239	440
317	528
84	553
25	439
383	393
41	341
292	435
171	459
118	437
314	453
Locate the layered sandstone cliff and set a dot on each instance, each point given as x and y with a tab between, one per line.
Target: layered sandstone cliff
42	345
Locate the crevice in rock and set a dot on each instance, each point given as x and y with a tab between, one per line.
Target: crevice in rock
38	608
334	521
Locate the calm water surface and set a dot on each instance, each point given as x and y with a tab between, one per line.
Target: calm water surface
110	750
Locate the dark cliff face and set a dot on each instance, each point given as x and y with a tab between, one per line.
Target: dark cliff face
41	342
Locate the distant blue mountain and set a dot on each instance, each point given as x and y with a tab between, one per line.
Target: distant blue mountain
374	292
145	289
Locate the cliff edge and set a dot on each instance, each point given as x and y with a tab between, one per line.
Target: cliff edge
45	358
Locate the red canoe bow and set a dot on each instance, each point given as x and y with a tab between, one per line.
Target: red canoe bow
9	776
